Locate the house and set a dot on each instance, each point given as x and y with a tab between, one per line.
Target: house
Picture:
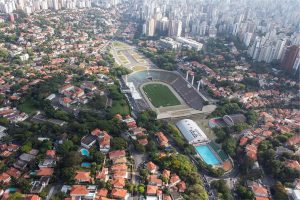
103	175
163	140
154	180
138	131
143	142
151	190
33	197
258	189
174	180
51	153
78	191
39	185
65	101
88	141
251	151
118	193
13	172
118	182
119	167
167	197
293	164
166	174
45	171
116	154
104	143
47	162
5	178
102	192
83	177
151	167
120	174
120	160
293	140
181	186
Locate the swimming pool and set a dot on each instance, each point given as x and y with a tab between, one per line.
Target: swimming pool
84	152
86	164
207	155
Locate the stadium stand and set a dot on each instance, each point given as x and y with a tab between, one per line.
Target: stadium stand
178	83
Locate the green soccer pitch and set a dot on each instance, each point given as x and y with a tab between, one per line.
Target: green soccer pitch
160	95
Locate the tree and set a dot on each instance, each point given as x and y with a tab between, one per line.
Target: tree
244	193
16	196
67	174
141	189
251	116
279	192
229	146
223	189
197	192
140	148
72	159
66	147
118	143
98	157
4	121
26	147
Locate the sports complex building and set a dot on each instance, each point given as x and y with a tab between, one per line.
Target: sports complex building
207	150
181	97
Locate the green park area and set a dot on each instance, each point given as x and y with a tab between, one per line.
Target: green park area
160	95
27	107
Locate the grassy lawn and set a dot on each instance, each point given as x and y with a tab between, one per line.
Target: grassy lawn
118	107
119	44
138	68
27	107
160	95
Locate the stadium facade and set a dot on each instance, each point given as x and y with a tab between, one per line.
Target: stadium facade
191	131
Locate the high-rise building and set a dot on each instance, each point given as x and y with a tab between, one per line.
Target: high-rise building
290	57
149	27
175	28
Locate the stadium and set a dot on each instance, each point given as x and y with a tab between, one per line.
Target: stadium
165	92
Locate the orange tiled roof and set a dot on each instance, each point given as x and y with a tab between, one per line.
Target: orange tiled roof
33	197
262	198
118	193
294	164
14	172
51	153
166	173
162	138
83	176
102	192
78	190
45	171
294	140
181	186
243	141
174	178
4	177
119	167
151	166
259	190
116	154
151	189
118	182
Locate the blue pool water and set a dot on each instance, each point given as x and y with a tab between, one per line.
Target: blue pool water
84	152
207	155
86	164
12	189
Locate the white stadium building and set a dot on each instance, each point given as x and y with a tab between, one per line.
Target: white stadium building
191	131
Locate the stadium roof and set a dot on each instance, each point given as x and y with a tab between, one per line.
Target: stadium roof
231	120
191	131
